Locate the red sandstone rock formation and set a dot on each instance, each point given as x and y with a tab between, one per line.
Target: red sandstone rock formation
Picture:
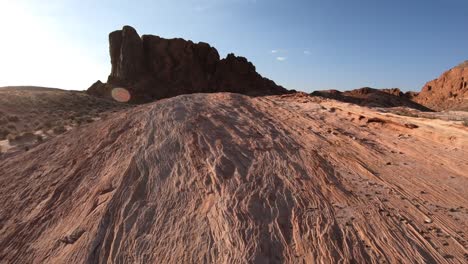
448	92
152	68
227	178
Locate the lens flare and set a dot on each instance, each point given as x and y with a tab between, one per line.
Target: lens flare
121	95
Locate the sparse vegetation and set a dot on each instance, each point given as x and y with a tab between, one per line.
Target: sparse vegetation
13	118
4	133
48	124
406	113
26	136
59	130
465	122
11	137
48	110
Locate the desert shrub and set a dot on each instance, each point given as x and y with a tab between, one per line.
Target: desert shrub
12	127
48	124
22	136
84	119
3	121
39	138
13	118
11	137
37	125
465	122
4	133
59	130
406	113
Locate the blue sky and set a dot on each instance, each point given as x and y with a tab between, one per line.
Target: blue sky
303	45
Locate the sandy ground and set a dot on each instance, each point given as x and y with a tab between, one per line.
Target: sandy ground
30	115
225	178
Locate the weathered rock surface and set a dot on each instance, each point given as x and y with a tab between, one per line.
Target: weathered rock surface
227	178
152	68
371	97
448	92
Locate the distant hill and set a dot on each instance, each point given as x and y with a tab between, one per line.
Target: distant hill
448	92
372	97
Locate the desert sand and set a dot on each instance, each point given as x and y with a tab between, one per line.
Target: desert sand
226	178
30	115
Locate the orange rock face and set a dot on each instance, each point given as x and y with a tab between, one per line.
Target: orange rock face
448	92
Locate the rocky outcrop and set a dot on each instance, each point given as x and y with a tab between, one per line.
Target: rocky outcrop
371	97
226	178
448	92
151	67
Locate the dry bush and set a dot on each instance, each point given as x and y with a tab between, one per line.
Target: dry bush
37	125
4	133
13	118
84	119
465	122
59	130
23	136
11	137
48	124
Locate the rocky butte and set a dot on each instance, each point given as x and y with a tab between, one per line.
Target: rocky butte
151	67
448	92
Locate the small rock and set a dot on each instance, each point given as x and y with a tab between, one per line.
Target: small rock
411	126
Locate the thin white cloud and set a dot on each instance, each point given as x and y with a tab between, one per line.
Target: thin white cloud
307	52
281	58
274	51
